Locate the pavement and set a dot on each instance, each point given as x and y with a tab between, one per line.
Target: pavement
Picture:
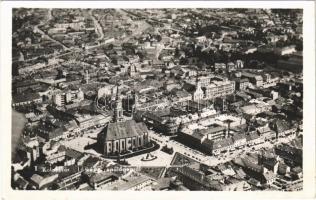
98	28
78	143
87	138
163	160
177	147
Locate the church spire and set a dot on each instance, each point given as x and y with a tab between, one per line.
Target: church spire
117	93
118	109
197	79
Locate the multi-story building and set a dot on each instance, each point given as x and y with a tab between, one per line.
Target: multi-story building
132	71
160	121
219	89
61	99
285	50
73	25
205	88
20	87
27	99
204	81
241	83
239	64
255	79
197	137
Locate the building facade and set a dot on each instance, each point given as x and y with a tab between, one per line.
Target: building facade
61	99
219	89
121	137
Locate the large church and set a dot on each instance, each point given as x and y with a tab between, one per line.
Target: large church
120	136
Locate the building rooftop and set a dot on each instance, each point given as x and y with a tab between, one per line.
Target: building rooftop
124	129
99	177
18	98
128	182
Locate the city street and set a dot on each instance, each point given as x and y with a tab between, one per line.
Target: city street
214	160
98	28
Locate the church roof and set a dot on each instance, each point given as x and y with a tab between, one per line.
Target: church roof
126	129
189	87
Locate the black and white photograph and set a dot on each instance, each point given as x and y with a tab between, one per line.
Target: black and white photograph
158	99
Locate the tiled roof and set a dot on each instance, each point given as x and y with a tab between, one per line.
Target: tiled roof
240	172
252	136
21	182
282	168
162	183
213	130
36	178
56	133
281	125
253	166
188	87
253	181
20	156
25	83
130	181
125	129
269	175
182	94
73	169
198	135
73	153
297	143
297	169
207	143
238	137
264	130
101	176
61	148
222	143
25	97
90	162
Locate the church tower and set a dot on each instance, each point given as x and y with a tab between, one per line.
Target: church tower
118	109
198	93
135	99
132	70
87	76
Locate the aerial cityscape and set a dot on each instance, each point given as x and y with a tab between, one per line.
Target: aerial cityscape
157	99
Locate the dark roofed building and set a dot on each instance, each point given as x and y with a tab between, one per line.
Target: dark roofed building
292	155
221	145
71	153
21	86
281	127
99	179
26	99
20	183
253	138
162	184
50	129
124	136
